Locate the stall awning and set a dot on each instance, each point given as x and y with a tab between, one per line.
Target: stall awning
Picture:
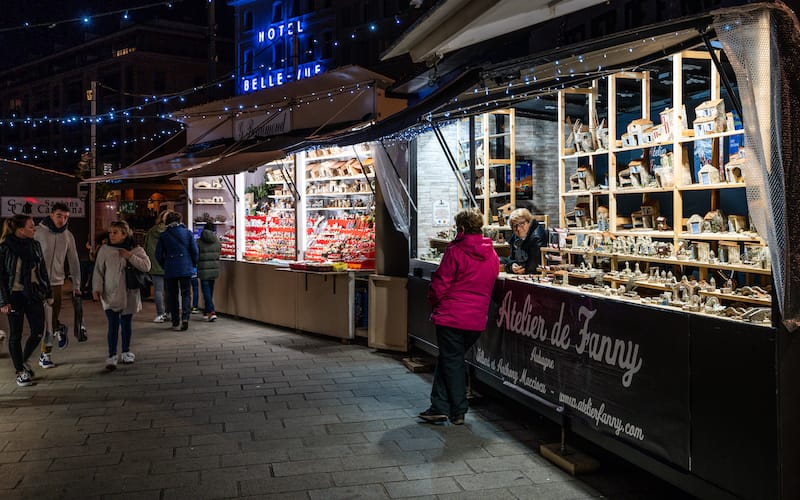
405	119
170	164
455	24
245	157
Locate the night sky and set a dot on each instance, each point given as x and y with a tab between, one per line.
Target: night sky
21	45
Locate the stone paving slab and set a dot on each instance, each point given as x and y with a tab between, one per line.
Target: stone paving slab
238	409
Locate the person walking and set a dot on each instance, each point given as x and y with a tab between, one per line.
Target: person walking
460	292
209	249
58	246
24	286
156	271
176	251
109	286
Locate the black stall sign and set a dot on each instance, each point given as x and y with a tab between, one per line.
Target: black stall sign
38	206
623	368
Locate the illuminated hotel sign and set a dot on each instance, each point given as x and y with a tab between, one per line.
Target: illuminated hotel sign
277	77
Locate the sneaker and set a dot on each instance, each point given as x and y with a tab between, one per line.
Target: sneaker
27	368
23	379
111	363
160	318
432	416
62	336
211	317
176	328
45	361
195	310
82	334
128	357
184	326
457	419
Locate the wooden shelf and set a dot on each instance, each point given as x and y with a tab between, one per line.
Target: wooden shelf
705	187
620	191
645	232
342	178
359	193
738	298
599	192
721	237
599	152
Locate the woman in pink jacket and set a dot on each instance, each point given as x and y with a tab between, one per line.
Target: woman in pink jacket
460	293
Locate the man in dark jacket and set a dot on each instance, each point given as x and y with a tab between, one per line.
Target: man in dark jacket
177	253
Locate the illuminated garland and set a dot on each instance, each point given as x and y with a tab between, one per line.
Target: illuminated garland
86	19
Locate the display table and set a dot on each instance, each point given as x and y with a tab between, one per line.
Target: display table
315	302
689	397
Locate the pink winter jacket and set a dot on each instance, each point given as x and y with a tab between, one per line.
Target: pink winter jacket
462	286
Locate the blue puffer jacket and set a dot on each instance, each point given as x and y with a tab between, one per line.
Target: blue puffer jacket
176	251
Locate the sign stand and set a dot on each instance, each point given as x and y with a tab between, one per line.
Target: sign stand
569	459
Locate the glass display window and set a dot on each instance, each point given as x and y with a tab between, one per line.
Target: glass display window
340	206
270	203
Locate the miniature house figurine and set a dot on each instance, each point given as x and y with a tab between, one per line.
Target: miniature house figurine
579	217
602	218
710	118
663	173
645	217
714	222
733	169
737	223
583	179
695	224
729	252
667	120
636	130
708	174
627	141
636	175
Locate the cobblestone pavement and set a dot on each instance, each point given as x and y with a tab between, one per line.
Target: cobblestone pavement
237	409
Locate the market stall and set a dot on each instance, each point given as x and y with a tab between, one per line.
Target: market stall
662	325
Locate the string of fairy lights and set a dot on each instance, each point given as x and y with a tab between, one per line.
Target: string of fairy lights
133	114
543	79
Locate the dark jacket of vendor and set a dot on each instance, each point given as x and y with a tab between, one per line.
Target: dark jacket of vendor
528	238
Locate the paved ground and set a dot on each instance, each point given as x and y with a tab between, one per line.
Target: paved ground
237	409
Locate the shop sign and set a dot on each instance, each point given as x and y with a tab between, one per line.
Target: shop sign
248	126
621	368
280	77
37	206
281	30
290	31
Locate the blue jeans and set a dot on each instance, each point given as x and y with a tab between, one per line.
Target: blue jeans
208	295
115	321
449	392
178	287
158	292
195	294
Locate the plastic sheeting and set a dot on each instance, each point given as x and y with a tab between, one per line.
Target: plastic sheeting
754	39
391	168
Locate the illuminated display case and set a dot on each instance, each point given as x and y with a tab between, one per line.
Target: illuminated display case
213	206
270	204
340	206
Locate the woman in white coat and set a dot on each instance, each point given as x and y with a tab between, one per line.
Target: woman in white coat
109	287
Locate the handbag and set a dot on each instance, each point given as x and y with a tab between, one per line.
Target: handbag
136	279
